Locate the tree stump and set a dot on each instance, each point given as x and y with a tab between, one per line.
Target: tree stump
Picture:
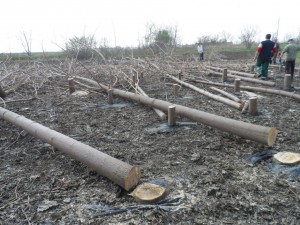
237	84
110	96
287	82
224	76
253	106
71	85
172	115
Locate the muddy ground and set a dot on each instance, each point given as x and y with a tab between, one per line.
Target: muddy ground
209	178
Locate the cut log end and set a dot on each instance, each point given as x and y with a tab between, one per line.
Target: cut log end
149	193
272	136
287	158
132	179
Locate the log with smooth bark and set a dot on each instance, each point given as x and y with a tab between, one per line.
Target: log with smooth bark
123	174
260	134
232	71
251	80
249	88
208	94
160	113
228	95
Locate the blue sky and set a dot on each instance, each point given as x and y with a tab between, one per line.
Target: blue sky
50	23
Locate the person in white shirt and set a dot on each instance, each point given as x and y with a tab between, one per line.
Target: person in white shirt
200	51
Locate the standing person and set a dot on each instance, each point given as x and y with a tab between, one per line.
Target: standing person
200	51
290	57
263	56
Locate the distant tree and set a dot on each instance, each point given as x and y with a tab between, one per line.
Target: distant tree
163	37
26	43
204	39
225	37
81	47
248	35
150	34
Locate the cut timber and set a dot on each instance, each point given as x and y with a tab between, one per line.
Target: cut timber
245	108
149	193
208	94
287	82
71	85
228	95
261	134
237	85
232	71
176	88
224	75
160	113
2	92
110	97
123	174
251	80
287	157
249	88
172	115
253	106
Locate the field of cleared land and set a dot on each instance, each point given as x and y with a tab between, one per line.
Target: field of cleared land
206	166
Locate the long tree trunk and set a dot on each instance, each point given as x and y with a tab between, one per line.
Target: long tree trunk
232	71
261	134
123	174
249	88
252	80
234	98
160	113
208	94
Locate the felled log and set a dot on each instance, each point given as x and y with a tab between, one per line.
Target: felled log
259	89
251	80
121	173
208	94
228	95
232	71
160	113
261	134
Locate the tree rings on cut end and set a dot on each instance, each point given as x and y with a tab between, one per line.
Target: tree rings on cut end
287	157
149	193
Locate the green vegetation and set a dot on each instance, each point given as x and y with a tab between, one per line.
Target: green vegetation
150	51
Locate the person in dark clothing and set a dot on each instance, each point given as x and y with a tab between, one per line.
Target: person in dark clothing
263	56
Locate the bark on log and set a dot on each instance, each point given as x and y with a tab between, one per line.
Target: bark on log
267	83
228	95
232	71
160	113
245	108
259	89
208	94
2	92
121	173
261	134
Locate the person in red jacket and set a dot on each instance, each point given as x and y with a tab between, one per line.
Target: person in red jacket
263	56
